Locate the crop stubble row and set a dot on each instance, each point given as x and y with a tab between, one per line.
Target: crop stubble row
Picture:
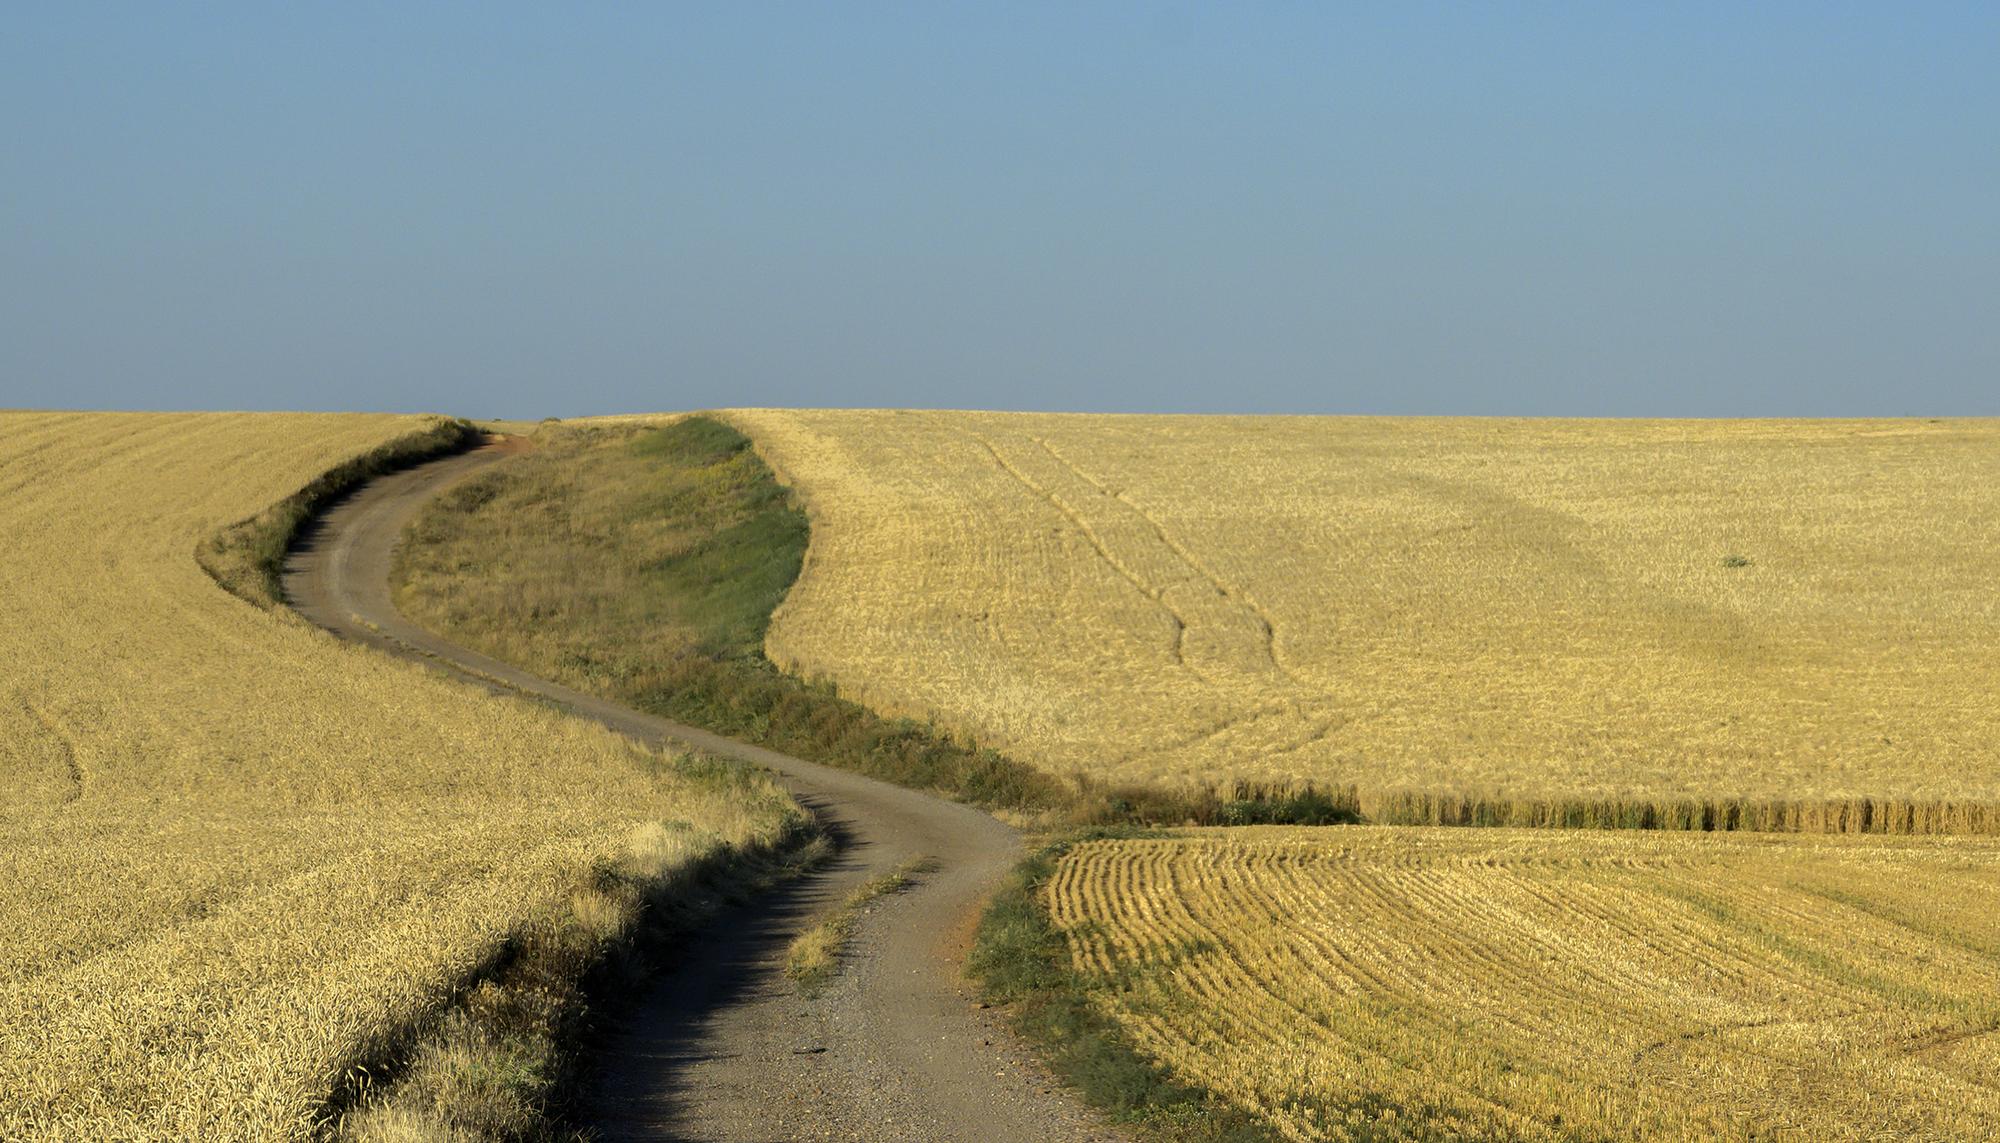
1501	983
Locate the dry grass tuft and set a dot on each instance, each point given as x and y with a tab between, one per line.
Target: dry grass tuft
814	955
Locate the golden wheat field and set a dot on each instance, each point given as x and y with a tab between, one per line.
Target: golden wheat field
236	855
1758	624
1391	982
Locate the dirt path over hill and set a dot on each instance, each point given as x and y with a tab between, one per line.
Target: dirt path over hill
724	1047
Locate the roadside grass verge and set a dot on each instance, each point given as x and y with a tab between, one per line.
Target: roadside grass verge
247	558
1022	962
814	955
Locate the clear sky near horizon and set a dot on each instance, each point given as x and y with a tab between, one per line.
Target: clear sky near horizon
504	209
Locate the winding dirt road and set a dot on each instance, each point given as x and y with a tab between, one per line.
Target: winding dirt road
724	1048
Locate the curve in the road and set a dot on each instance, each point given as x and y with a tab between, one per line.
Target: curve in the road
724	1048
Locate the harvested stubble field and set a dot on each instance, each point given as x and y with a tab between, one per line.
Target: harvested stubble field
238	857
1425	983
1763	625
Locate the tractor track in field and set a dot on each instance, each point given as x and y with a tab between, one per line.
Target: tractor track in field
722	1046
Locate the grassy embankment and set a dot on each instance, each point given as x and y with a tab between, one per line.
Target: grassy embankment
507	1060
643	563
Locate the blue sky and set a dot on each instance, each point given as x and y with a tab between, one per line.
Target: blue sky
525	210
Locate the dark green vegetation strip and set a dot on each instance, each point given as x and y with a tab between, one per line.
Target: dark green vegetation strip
1022	961
643	564
248	557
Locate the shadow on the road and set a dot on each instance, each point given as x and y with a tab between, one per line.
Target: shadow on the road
658	1033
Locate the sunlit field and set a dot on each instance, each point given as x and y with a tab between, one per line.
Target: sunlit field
1702	624
1383	983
